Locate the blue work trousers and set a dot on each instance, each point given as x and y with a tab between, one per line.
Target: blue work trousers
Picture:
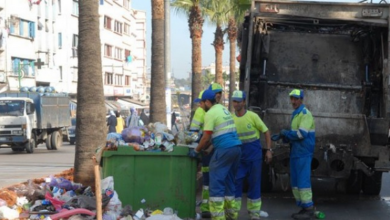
300	170
251	170
223	168
205	167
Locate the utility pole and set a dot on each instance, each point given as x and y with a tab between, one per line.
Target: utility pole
167	44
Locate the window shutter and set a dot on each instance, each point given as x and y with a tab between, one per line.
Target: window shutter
12	28
32	29
21	27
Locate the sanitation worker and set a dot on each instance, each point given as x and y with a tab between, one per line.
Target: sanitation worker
249	125
301	137
220	131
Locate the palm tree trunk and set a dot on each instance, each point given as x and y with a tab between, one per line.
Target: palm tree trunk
157	90
232	34
195	23
91	121
218	46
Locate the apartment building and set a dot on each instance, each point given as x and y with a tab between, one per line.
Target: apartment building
39	40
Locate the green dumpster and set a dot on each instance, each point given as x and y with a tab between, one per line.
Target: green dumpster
162	179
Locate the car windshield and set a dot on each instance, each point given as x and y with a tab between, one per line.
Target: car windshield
73	121
11	107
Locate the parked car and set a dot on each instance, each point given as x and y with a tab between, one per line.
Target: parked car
72	131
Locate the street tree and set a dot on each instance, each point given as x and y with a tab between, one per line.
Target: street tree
216	13
91	121
207	79
193	11
157	90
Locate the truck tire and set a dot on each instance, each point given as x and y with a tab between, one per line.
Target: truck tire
56	140
354	182
372	184
266	178
30	145
48	142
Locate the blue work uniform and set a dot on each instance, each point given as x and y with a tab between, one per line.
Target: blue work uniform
224	163
249	127
302	141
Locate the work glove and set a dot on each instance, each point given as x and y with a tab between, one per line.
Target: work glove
283	133
275	137
193	153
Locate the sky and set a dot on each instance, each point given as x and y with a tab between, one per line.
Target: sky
181	42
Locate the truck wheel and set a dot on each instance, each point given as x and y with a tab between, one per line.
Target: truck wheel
56	140
266	178
354	182
372	184
48	142
30	145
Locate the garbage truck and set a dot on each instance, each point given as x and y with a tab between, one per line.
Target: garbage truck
338	54
29	119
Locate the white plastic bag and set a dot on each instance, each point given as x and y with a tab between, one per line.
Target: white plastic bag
108	183
8	213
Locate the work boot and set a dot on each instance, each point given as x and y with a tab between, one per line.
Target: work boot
206	214
307	214
300	212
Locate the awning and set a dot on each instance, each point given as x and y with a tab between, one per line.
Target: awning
130	103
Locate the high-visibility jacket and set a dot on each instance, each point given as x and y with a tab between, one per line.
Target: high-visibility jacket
198	120
249	127
219	120
302	133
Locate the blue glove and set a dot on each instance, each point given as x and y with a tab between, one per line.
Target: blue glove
284	132
193	153
275	137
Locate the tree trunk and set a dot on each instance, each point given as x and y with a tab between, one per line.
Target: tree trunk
218	46
195	23
157	90
232	34
91	111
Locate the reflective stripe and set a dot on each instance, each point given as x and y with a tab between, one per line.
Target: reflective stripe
205	201
312	130
238	199
196	122
222	125
206	187
217	199
249	140
246	133
219	133
299	135
254	200
303	129
218	214
229	198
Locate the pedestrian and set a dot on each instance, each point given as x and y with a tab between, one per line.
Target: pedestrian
133	120
301	137
144	117
220	130
111	122
249	125
120	123
173	121
197	126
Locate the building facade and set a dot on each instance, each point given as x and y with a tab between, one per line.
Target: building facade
39	41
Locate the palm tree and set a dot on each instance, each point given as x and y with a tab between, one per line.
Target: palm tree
195	23
236	15
216	12
157	91
91	120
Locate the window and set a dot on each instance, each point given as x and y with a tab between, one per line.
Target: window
127	54
59	6
75	44
107	22
118	27
23	28
23	66
108	80
75	9
107	50
118	80
126	29
118	53
127	80
59	40
60	72
126	4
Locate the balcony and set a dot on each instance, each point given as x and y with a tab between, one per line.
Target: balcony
2	4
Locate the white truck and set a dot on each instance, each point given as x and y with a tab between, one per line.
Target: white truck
28	119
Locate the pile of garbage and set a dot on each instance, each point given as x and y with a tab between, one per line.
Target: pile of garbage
60	198
154	137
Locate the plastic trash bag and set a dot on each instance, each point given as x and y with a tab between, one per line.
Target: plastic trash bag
133	134
8	213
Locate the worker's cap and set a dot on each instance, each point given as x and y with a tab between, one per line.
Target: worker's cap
238	96
208	94
216	87
297	93
197	100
